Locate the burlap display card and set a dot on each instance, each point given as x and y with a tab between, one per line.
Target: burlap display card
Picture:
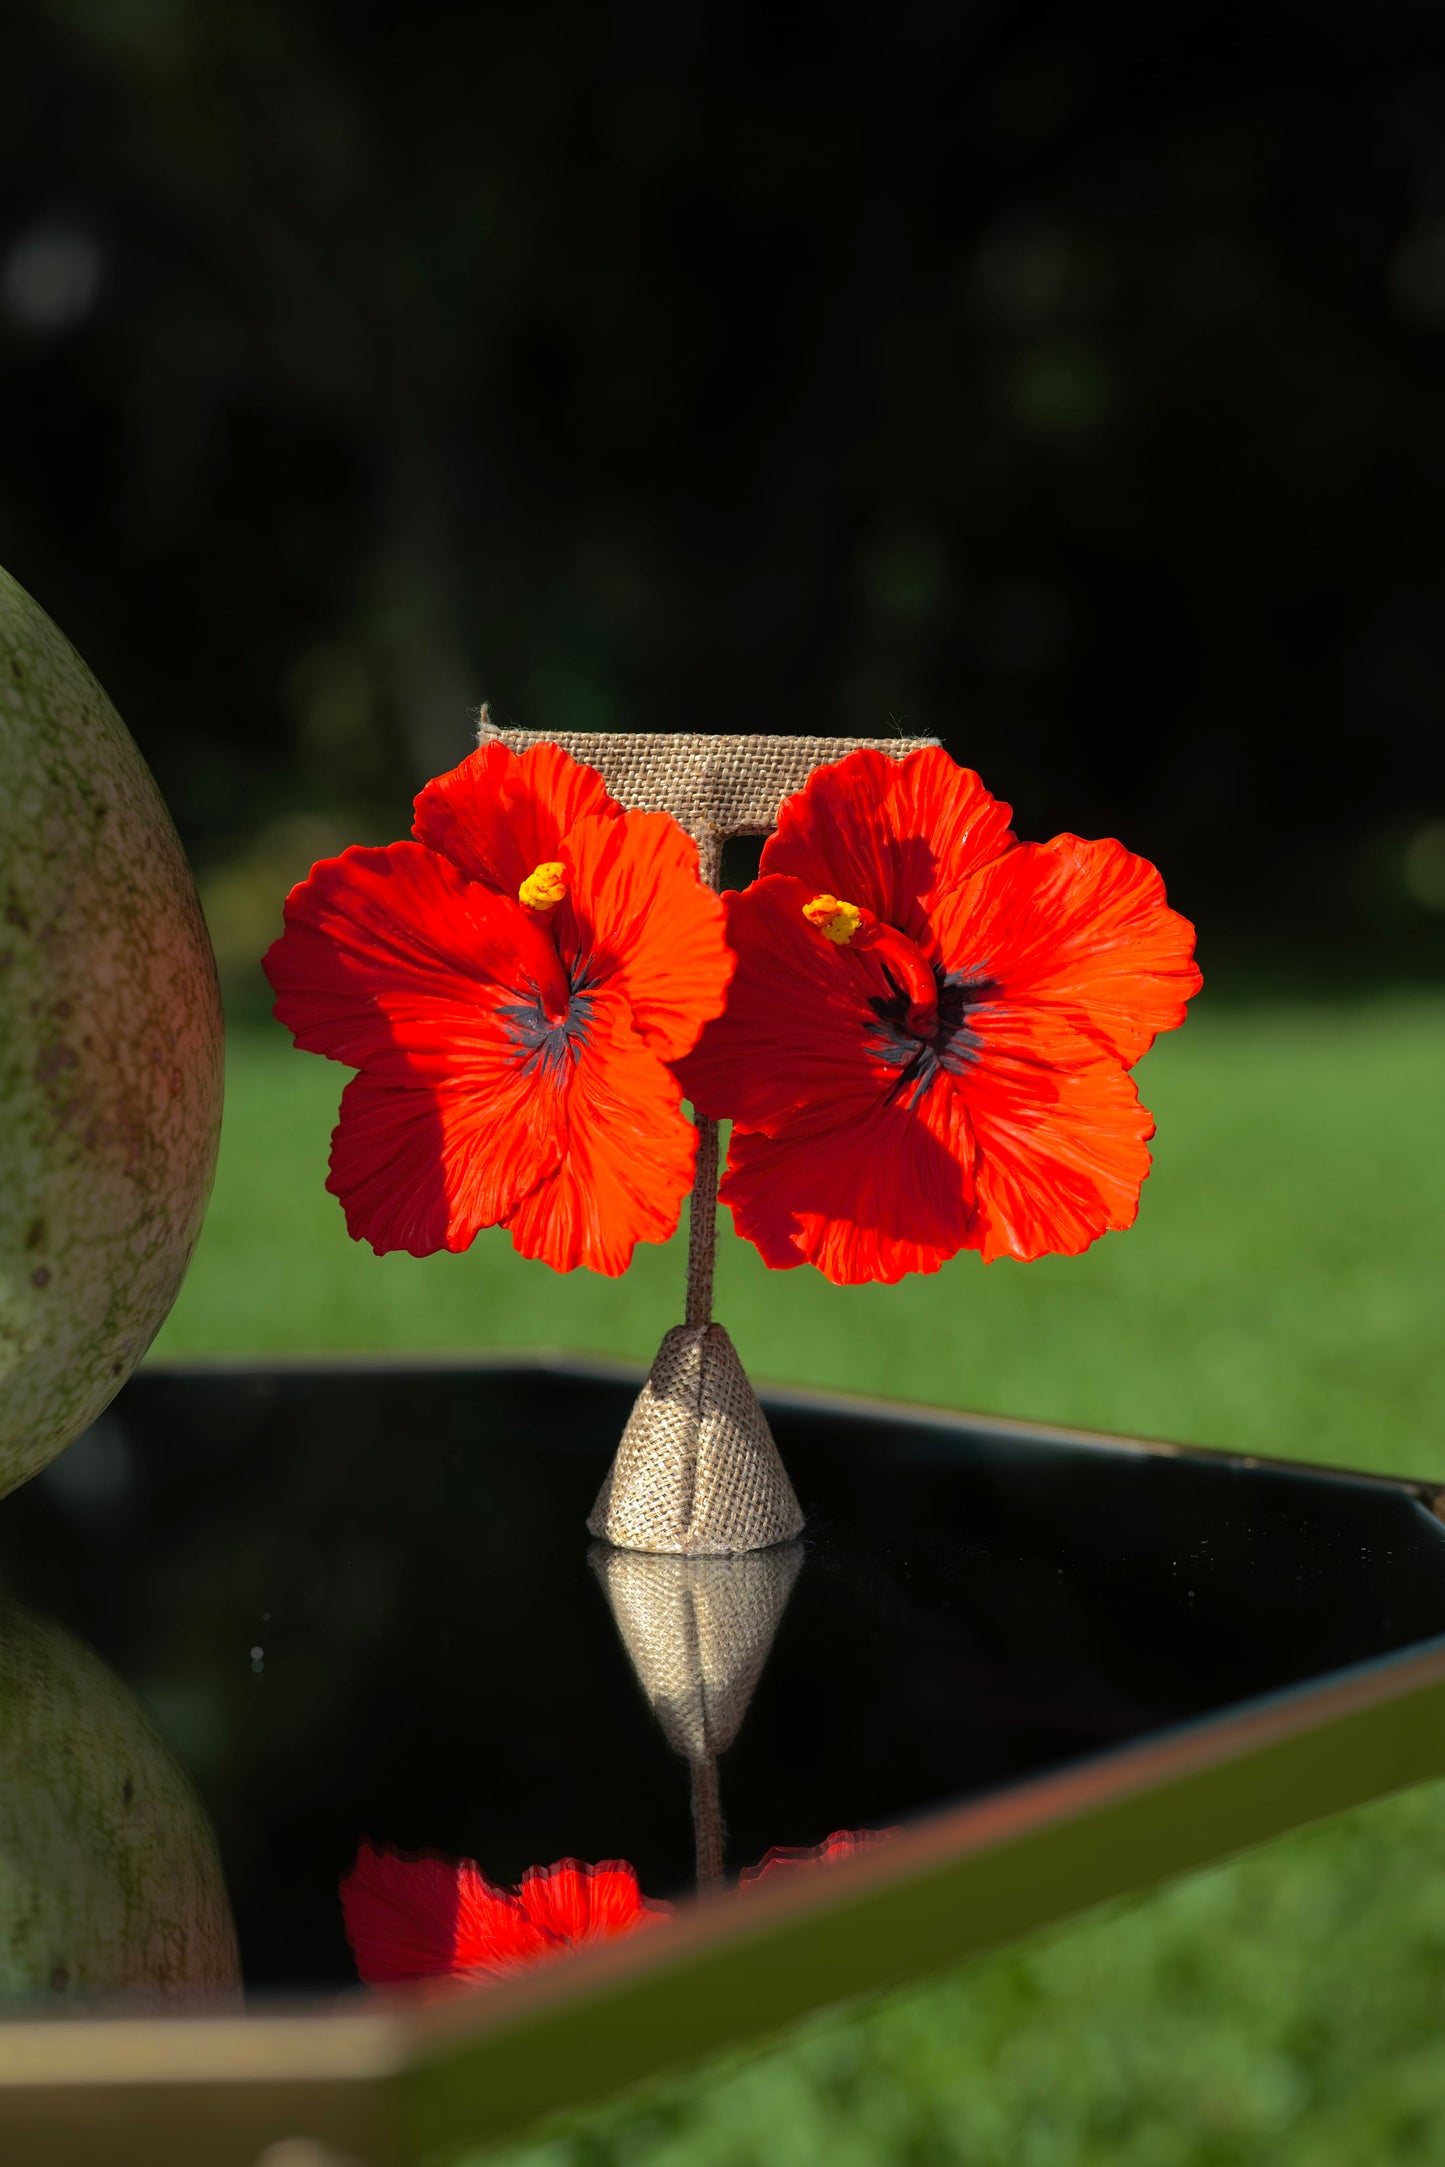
697	1473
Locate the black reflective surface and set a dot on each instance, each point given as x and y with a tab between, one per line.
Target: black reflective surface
360	1603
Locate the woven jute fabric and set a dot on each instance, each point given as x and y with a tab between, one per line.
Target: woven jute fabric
698	1632
713	786
697	1473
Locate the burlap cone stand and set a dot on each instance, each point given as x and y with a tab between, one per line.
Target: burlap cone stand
698	1632
697	1473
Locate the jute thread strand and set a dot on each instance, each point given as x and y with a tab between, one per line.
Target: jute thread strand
702	1224
697	1472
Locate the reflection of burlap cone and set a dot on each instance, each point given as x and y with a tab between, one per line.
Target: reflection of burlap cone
697	1473
699	1631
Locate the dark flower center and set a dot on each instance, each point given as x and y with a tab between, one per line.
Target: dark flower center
550	1041
950	1049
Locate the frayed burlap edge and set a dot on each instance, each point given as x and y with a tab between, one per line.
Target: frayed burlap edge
697	1473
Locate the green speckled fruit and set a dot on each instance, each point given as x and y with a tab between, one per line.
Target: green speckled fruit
110	1047
109	1879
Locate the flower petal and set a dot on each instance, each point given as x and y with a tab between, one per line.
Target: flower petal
638	916
571	1903
392	960
628	1155
500	814
867	1198
893	835
422	1918
784	1862
1062	1150
424	1167
1080	928
798	1023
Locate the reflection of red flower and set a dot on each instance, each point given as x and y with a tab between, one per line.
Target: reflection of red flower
844	1843
927	1043
511	985
428	1918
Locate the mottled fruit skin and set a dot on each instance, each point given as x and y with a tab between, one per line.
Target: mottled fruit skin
110	1882
110	1047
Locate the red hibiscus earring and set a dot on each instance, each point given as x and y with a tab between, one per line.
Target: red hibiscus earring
511	986
927	1044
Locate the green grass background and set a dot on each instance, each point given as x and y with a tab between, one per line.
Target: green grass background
1282	1294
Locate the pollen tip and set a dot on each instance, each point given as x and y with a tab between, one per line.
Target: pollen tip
836	921
545	886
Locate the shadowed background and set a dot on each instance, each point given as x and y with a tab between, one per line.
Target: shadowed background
1068	385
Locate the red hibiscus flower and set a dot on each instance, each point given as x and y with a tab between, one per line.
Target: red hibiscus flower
927	1044
432	1918
844	1843
511	986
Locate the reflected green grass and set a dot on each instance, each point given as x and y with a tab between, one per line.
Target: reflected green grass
1281	1293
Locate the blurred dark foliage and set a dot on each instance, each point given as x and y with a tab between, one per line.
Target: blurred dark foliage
1064	381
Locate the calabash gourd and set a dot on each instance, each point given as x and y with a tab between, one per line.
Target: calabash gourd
110	1047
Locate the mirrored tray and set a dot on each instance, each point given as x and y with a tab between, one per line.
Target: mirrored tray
358	1601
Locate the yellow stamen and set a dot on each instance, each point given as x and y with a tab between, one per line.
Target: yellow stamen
836	921
545	886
